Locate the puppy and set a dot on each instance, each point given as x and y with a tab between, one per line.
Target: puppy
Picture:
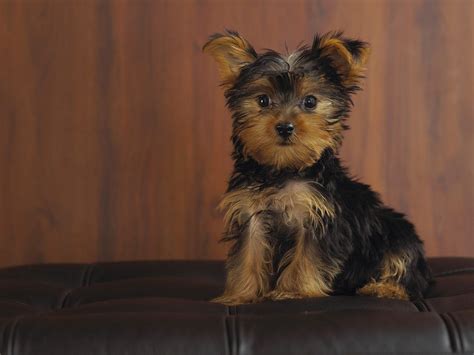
299	225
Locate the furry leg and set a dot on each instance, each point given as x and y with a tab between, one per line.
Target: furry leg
393	271
250	267
302	276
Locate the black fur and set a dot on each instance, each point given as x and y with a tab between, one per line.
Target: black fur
360	234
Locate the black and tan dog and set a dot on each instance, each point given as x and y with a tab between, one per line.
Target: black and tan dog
300	225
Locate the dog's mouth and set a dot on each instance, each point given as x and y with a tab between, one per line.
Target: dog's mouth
285	142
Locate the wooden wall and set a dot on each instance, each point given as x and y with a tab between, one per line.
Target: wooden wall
114	138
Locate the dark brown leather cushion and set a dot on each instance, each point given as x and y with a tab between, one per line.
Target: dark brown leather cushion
162	307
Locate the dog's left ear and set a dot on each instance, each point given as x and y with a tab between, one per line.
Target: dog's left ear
232	52
347	56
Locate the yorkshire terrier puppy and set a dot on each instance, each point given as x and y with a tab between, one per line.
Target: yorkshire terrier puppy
300	225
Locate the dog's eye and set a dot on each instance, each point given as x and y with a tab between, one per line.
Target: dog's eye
309	102
263	100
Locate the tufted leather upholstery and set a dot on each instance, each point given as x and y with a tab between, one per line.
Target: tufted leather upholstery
161	307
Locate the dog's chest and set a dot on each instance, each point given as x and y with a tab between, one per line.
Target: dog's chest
294	203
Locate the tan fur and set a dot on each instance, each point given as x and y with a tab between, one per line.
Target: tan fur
304	274
231	53
248	272
349	67
313	131
384	289
300	203
310	139
298	200
394	266
324	108
393	269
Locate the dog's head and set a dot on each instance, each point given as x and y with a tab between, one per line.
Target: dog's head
288	109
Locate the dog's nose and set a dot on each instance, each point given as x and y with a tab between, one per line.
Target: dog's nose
285	129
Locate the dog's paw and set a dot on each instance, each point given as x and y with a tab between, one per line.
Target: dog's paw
235	300
384	290
282	295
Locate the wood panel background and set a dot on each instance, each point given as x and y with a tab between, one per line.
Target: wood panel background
114	138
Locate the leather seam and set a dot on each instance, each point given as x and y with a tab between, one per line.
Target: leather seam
454	271
426	307
83	275
233	311
451	333
230	335
236	335
226	336
458	330
64	301
87	276
12	335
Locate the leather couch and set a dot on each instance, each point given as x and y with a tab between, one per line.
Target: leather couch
161	307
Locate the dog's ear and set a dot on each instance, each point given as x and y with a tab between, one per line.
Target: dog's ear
231	52
347	56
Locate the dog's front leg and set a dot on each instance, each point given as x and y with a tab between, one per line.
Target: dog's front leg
249	266
304	274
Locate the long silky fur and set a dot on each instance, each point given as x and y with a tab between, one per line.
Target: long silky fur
348	240
359	235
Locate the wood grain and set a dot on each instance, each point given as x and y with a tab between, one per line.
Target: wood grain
114	137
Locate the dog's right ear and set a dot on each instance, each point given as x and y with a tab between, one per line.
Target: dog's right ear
231	52
347	56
